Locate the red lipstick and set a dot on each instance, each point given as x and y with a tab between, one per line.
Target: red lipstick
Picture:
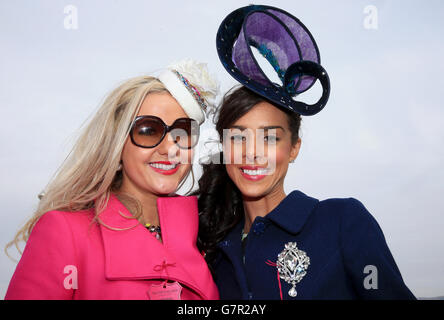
249	175
163	167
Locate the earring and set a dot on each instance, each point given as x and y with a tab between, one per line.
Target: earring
291	161
119	167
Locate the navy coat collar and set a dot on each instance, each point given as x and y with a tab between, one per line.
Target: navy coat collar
292	213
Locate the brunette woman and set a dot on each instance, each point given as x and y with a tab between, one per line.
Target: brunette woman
265	244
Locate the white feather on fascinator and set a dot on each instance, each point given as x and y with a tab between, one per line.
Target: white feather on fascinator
190	83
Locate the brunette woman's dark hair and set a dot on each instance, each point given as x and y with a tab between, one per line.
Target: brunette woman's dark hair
220	201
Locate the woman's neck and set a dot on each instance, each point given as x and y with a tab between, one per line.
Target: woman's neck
149	207
148	201
260	207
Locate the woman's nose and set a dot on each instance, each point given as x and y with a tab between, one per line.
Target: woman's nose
250	147
168	147
255	148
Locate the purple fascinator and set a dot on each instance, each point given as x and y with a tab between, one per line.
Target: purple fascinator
286	44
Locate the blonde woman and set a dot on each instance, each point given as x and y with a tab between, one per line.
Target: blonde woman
109	225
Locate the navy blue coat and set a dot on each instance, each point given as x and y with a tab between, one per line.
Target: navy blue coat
339	236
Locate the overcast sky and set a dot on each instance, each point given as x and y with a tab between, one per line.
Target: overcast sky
379	139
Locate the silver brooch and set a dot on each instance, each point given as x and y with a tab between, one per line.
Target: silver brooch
292	265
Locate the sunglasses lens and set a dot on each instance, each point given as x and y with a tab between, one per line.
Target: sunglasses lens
147	132
185	133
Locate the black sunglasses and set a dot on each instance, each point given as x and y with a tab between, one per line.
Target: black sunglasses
149	131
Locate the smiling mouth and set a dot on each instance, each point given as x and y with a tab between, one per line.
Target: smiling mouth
164	167
253	173
256	172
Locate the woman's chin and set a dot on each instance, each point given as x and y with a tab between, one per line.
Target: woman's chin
166	185
253	192
165	190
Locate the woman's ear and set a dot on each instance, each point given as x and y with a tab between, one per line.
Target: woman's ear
295	150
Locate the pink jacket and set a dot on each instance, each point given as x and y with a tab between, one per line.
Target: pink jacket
68	256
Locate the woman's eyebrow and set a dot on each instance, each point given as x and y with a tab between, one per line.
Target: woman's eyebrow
271	127
261	127
237	127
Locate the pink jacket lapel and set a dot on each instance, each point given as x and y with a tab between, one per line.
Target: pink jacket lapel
135	254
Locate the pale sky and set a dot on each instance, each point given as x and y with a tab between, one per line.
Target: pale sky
379	139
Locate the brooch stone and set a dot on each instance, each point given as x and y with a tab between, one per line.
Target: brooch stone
292	265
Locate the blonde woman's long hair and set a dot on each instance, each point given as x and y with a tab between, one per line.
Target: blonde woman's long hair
91	172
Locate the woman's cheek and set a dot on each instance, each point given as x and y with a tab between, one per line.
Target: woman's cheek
232	153
185	156
277	158
185	168
282	155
